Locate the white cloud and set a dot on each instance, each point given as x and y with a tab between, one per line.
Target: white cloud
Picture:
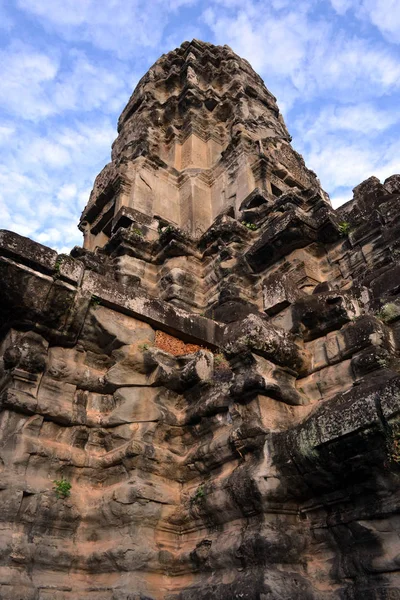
175	39
363	118
46	179
283	37
23	73
341	198
84	139
383	14
87	86
341	163
343	144
174	5
61	97
297	47
346	63
34	86
7	130
45	152
67	191
50	236
119	26
342	6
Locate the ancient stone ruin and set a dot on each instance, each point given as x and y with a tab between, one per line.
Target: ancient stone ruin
203	401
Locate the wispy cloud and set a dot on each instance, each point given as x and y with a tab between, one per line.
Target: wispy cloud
316	57
344	144
120	26
49	176
24	73
342	163
339	90
362	119
383	14
67	69
34	86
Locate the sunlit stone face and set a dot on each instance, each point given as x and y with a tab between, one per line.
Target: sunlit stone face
203	402
199	134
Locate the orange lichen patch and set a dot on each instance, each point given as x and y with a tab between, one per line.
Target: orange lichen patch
173	345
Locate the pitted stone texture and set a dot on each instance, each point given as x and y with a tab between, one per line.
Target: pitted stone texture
218	381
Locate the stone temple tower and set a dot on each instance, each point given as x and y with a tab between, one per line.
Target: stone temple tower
202	144
200	136
203	402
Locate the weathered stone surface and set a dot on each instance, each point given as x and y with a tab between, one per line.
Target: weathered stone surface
392	184
255	453
255	333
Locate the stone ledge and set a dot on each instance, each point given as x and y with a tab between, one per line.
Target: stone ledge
32	259
30	253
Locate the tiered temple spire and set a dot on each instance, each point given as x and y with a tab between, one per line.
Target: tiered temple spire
199	135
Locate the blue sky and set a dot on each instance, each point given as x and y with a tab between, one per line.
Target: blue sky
68	67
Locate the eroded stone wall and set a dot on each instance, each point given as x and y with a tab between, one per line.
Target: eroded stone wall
225	406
